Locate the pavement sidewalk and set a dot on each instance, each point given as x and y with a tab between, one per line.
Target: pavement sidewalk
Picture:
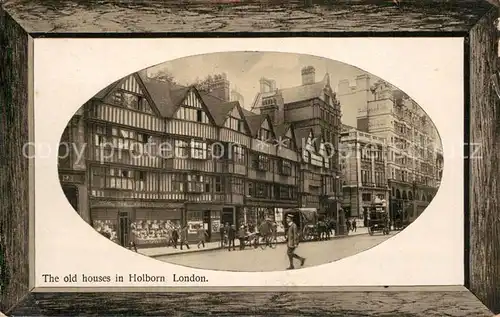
163	251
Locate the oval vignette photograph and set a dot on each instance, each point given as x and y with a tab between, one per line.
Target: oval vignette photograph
250	161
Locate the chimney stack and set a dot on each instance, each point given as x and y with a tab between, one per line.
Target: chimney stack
267	85
308	75
217	86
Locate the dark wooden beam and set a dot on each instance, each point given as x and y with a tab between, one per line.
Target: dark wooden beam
484	153
14	202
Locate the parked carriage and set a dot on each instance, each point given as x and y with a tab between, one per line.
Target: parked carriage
306	220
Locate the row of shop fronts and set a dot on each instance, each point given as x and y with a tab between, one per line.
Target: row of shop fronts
154	221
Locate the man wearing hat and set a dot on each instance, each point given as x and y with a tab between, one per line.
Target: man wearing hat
293	242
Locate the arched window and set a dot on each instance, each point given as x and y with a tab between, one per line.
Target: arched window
398	194
410	195
405	197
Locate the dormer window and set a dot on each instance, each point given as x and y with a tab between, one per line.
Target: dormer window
263	134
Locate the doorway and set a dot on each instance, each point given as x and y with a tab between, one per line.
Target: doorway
71	193
207	224
123	228
227	216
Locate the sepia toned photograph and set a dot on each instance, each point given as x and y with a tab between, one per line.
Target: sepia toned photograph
250	161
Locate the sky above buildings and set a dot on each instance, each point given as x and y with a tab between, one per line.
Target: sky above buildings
244	69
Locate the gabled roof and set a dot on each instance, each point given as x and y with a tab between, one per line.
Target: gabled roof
254	122
165	95
218	108
281	129
297	93
301	138
104	92
168	96
247	112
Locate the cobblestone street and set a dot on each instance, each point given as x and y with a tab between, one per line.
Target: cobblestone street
255	260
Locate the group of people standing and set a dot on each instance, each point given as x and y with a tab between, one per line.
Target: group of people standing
229	234
351	225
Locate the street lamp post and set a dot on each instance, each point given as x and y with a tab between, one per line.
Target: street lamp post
339	220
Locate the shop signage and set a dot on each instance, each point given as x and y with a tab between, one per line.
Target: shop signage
71	178
132	204
193	226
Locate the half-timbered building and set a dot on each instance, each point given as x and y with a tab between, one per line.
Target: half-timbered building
157	155
314	111
272	171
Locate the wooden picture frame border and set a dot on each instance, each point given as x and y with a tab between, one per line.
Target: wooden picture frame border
21	21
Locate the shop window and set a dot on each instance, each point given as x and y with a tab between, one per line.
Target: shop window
366	197
107	228
151	231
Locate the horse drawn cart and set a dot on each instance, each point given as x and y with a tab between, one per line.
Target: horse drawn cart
306	220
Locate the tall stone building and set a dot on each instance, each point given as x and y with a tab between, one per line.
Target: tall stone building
314	112
414	155
363	163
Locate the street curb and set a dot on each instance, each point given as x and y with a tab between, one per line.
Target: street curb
213	249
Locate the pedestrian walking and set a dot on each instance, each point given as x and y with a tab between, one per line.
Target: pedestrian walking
347	226
132	240
184	237
231	236
293	243
241	237
175	237
222	231
202	236
354	225
226	230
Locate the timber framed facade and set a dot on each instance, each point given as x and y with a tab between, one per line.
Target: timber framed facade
157	155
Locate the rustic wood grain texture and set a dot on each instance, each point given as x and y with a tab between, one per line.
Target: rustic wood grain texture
171	16
485	166
14	216
359	304
21	17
